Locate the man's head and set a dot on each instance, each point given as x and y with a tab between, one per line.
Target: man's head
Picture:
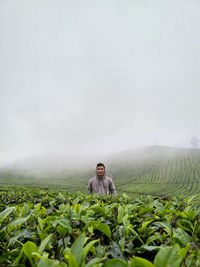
100	170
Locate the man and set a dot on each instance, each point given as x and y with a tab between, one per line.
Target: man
101	184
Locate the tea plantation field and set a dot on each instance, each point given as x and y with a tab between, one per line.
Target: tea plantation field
49	228
161	171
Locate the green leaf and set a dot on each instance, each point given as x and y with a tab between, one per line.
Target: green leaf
28	248
158	205
120	214
115	263
63	208
6	212
145	210
25	233
104	228
61	264
72	260
154	237
167	256
36	256
46	262
190	199
185	223
94	262
126	222
64	223
115	250
44	243
20	221
76	200
140	262
181	237
183	251
85	219
98	209
17	260
77	208
122	242
77	247
145	224
149	248
18	265
135	234
166	226
87	248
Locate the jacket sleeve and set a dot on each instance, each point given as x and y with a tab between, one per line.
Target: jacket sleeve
89	187
112	188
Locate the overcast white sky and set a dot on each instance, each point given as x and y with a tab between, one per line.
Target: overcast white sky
97	76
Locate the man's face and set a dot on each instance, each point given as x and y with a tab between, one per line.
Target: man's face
100	171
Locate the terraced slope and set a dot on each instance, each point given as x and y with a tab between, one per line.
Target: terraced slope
159	171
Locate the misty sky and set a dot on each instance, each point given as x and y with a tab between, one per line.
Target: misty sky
86	77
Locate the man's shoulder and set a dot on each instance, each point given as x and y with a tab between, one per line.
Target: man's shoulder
93	179
109	179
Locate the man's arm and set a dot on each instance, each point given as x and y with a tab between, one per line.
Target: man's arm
89	187
112	188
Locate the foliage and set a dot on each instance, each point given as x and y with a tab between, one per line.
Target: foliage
47	228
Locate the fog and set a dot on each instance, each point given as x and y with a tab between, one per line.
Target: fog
85	78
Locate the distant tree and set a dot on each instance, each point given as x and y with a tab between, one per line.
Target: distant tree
194	142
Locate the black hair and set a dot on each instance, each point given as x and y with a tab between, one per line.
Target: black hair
100	164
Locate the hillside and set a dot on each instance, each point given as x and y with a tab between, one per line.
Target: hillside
153	170
159	171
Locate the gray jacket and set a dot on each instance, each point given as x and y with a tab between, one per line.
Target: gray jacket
102	186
